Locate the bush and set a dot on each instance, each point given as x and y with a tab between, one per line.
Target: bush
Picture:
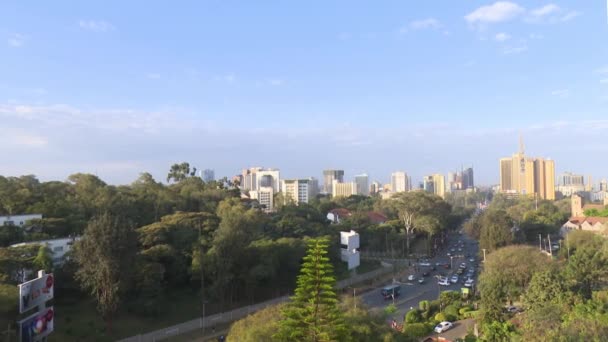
434	306
417	329
448	297
424	305
440	317
413	316
451	312
464	310
471	314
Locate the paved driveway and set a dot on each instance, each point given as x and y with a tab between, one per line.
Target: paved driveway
460	330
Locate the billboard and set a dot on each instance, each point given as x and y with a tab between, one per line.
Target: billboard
37	326
35	292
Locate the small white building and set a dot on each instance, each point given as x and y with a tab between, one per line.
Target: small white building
18	220
59	247
350	248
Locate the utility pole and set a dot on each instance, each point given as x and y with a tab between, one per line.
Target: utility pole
484	255
550	247
540	243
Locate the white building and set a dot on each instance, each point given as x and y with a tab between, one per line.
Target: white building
350	248
299	190
362	182
256	177
59	247
18	220
399	182
339	189
265	196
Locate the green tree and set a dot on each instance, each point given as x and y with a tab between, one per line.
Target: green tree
259	326
495	230
586	269
44	259
105	256
313	313
179	172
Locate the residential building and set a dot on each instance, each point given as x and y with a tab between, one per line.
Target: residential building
468	181
265	197
361	182
579	221
400	182
299	190
570	183
435	184
527	176
328	178
343	189
18	220
59	247
208	175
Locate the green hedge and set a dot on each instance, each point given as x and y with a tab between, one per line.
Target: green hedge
417	329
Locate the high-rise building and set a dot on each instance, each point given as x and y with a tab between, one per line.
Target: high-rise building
468	181
265	196
527	176
375	187
343	189
400	182
570	183
299	190
361	182
328	178
603	185
256	177
435	184
208	175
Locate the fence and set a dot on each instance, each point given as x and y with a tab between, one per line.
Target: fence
236	314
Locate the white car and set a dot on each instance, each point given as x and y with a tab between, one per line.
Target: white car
411	277
443	326
469	283
444	282
454	279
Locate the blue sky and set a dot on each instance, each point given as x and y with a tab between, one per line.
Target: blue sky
120	87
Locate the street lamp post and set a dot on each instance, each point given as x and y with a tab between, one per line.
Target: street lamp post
451	262
484	255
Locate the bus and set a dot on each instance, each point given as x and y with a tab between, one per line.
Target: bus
391	290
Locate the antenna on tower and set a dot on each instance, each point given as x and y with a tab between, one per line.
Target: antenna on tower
521	144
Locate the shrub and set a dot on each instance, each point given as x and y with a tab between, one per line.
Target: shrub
434	306
471	314
463	310
417	329
448	297
440	317
413	316
424	305
451	312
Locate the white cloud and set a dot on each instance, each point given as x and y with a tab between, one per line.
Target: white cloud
429	23
545	10
501	37
96	25
560	92
602	70
500	11
511	50
570	15
276	82
28	140
604	81
17	40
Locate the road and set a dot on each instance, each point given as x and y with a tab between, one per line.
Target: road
412	292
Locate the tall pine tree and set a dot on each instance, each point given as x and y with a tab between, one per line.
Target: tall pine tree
313	314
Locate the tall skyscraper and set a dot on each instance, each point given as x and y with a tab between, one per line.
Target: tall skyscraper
400	182
329	176
375	187
299	190
362	182
435	184
468	181
208	175
527	176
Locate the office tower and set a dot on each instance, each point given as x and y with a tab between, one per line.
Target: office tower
265	196
467	178
361	182
399	182
343	189
569	178
256	177
375	187
329	176
589	186
604	185
208	175
299	190
435	184
527	176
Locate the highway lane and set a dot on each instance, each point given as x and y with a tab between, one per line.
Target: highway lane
412	292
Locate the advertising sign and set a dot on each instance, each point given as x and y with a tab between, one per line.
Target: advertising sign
35	292
37	326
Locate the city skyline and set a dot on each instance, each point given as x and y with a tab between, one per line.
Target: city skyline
108	89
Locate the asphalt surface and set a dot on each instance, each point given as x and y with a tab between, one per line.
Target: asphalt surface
412	292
